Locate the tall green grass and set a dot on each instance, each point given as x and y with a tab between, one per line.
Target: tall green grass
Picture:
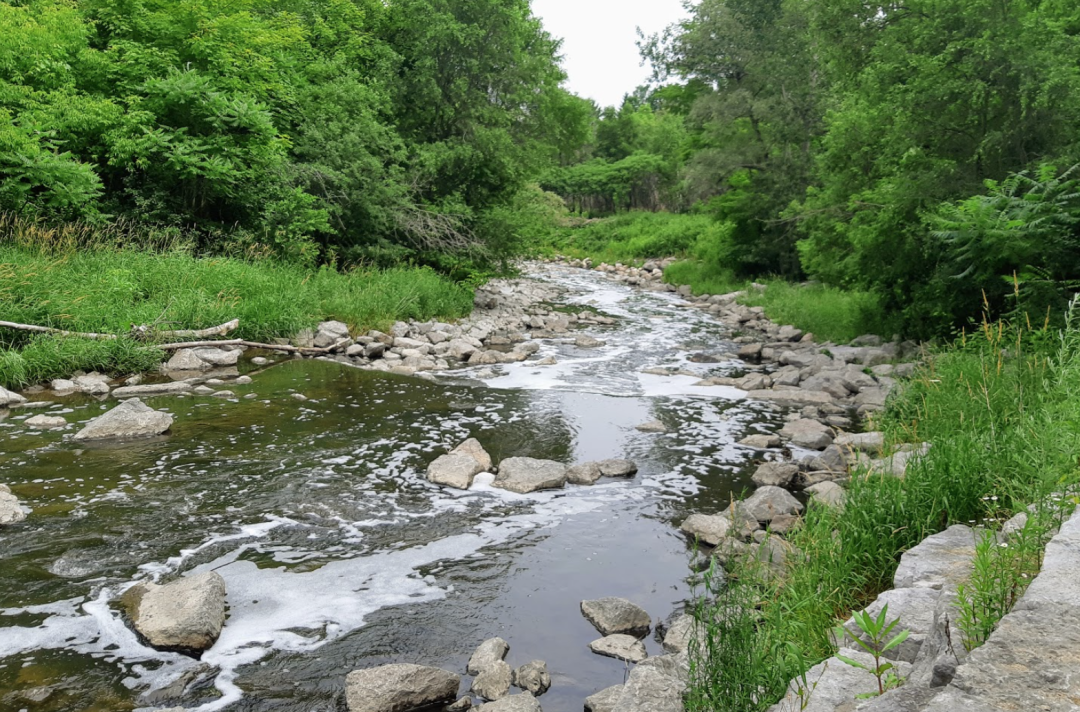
1001	409
102	287
632	237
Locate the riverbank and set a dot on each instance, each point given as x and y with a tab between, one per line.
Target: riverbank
109	290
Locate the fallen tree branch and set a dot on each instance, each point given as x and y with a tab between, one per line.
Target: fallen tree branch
145	332
199	344
50	330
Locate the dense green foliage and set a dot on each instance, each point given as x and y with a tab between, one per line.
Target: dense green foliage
1000	409
323	129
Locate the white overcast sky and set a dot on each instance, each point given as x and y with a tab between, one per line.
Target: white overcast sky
600	41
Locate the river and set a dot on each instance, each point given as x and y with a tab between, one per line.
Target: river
338	554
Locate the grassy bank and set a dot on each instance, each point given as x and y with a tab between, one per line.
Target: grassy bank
631	237
108	288
1002	411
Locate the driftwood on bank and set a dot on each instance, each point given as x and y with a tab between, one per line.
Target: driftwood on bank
144	332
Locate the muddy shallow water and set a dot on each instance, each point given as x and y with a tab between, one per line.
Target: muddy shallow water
337	553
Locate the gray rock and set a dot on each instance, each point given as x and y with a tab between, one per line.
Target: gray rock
681	633
186	614
93	384
524	702
761	441
585	473
620	647
604	700
768	502
476	451
465	703
617	468
836	684
156	389
832	459
534	677
10	510
709	529
400	687
526	474
488	653
807	433
611	615
584	341
454	470
46	422
943	560
795	396
461	349
914	607
655	685
784	524
828	493
493	683
217	357
653	426
62	387
750	352
130	419
329	333
776	474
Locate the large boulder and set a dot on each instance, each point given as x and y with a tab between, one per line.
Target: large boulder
329	333
915	607
186	614
130	419
617	615
769	502
533	676
807	433
491	651
10	510
493	683
8	398
524	702
655	685
776	474
836	684
526	474
400	687
620	647
454	470
476	451
943	560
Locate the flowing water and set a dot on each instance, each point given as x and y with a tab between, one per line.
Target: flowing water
337	553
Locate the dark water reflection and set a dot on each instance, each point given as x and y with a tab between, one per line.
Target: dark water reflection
337	553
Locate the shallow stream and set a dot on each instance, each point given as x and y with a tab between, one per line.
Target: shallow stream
337	553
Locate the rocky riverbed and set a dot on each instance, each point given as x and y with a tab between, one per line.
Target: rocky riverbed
598	417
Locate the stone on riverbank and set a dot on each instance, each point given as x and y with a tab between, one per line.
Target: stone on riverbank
604	700
768	502
939	561
154	389
655	685
186	614
524	702
708	529
807	433
493	683
828	493
130	419
526	474
454	470
8	398
681	633
485	656
776	474
612	615
871	443
761	441
400	687
620	647
836	684
534	677
10	510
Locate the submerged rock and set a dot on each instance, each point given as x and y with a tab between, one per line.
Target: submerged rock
617	615
186	614
534	677
653	426
620	647
401	687
526	474
130	419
